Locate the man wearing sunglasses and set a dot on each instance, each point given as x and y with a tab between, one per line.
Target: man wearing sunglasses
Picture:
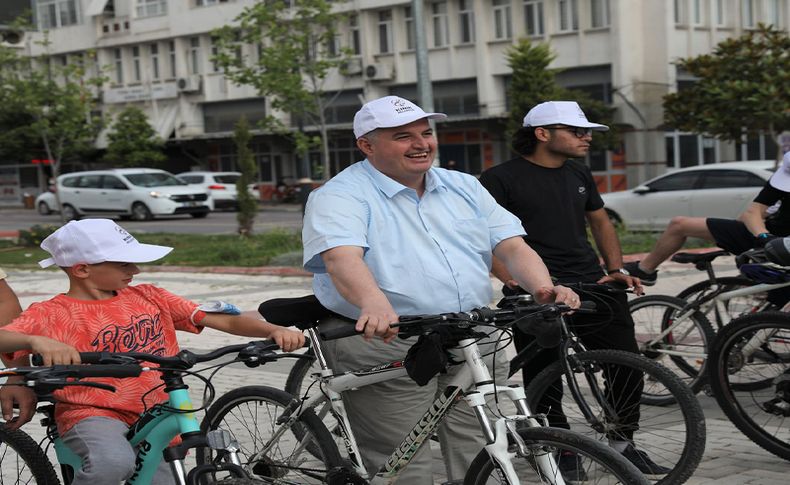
552	191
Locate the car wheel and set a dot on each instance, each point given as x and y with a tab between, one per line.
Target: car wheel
199	215
70	213
44	209
140	212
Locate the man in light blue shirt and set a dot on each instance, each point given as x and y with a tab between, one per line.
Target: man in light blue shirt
392	235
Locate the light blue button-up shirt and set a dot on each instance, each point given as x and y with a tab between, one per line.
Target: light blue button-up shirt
428	255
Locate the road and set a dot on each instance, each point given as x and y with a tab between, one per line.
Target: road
221	222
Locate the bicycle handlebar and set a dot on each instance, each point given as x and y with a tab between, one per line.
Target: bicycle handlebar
412	325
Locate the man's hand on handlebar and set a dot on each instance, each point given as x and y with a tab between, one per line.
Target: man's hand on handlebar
627	281
557	294
375	320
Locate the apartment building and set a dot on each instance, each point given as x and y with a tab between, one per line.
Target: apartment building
158	56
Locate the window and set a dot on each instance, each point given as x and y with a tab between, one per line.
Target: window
568	15
730	179
172	48
533	15
599	13
441	31
747	14
136	63
89	182
110	182
679	9
678	181
194	55
502	28
57	13
206	3
466	18
385	31
153	50
151	8
354	42
214	52
118	55
721	13
698	12
773	13
408	21
192	179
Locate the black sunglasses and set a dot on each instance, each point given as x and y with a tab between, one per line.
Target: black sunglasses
577	131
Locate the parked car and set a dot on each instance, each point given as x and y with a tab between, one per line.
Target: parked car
131	193
719	190
222	186
45	203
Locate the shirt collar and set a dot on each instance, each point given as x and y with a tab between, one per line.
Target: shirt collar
390	187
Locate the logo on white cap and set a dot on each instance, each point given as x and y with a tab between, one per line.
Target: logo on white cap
781	178
93	241
388	112
560	113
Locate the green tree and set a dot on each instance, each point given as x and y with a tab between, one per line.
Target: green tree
297	51
133	142
742	88
57	104
533	82
248	206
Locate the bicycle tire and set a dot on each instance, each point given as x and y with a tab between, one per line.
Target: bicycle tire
23	461
250	414
672	435
735	306
653	315
747	406
298	373
601	463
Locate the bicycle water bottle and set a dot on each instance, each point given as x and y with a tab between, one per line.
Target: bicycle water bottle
219	307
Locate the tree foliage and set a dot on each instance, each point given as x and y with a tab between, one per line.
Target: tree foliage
248	206
533	82
743	88
133	142
296	53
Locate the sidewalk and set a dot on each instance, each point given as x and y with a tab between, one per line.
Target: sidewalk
729	458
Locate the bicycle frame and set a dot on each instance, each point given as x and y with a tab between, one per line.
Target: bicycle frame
472	384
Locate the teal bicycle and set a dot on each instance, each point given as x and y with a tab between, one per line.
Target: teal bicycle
23	461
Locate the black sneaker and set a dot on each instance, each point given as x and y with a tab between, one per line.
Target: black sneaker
571	467
647	279
642	461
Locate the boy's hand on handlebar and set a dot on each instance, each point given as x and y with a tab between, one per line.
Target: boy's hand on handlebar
288	340
376	320
627	281
54	352
557	294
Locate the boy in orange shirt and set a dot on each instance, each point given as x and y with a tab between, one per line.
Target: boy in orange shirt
101	312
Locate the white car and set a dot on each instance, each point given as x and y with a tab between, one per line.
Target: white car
222	186
45	203
131	193
718	190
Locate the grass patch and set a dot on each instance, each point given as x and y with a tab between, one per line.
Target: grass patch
642	242
189	249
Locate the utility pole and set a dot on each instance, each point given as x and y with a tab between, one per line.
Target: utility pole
424	87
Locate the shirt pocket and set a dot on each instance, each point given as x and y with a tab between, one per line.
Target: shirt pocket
474	234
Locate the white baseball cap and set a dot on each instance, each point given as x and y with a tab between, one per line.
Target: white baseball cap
94	241
781	178
560	113
388	112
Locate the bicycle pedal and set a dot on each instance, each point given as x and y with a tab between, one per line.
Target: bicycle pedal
778	407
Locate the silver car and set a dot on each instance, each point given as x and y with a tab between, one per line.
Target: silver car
720	190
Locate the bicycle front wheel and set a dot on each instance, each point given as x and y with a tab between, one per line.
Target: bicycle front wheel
749	361
22	460
300	453
673	436
681	344
591	461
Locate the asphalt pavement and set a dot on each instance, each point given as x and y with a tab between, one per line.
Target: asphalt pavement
730	458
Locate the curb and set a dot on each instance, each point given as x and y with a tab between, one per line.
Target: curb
247	270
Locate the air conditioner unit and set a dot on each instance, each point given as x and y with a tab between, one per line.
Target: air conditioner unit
352	67
189	84
380	71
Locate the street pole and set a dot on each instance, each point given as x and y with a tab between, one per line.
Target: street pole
424	86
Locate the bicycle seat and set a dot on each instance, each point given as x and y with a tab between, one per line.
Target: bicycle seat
303	312
697	258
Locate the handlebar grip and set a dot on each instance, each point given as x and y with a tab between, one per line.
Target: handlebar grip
86	358
338	332
118	371
587	306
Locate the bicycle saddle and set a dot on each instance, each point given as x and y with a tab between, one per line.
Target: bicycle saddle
696	258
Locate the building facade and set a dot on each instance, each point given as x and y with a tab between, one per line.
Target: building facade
157	54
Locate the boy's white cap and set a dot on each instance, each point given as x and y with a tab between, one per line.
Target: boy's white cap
388	112
94	241
781	178
560	113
